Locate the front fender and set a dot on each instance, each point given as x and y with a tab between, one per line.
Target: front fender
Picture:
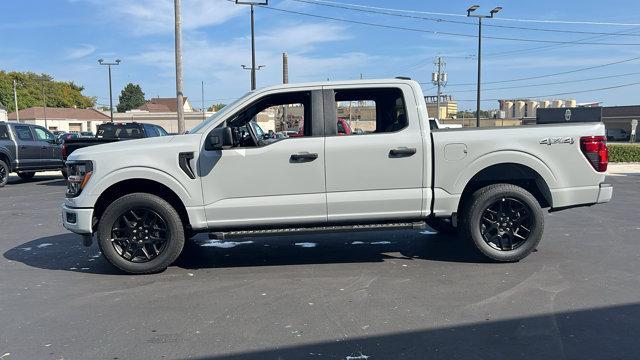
189	195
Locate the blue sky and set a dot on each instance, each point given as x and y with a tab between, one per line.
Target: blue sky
66	37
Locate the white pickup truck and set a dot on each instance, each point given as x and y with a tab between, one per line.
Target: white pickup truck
144	198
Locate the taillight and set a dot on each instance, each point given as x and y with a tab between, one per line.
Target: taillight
63	150
595	150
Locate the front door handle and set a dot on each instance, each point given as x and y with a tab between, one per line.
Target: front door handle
303	157
23	147
402	152
43	147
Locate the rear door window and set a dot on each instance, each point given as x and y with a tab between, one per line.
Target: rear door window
23	133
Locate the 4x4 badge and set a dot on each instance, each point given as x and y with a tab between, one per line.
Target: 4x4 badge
557	140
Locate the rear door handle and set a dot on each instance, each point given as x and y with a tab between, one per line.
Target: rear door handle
43	147
402	152
303	157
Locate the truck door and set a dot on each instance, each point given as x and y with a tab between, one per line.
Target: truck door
267	178
49	149
28	155
376	172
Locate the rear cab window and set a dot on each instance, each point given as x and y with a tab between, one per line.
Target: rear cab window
119	131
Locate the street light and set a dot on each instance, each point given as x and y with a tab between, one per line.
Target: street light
253	67
117	62
470	13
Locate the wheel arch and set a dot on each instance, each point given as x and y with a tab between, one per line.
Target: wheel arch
4	156
510	173
139	185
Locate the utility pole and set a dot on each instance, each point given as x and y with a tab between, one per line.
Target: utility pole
203	109
253	67
439	79
285	80
108	64
470	10
285	68
15	100
44	99
179	80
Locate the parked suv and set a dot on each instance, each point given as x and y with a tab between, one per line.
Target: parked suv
27	149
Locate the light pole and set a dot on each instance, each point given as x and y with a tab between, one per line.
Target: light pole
108	64
470	13
253	67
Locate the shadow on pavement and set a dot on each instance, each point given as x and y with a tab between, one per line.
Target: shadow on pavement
600	333
325	249
65	251
61	252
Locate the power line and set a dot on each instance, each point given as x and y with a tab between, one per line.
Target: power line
564	93
555	74
508	52
440	20
570	22
443	32
549	83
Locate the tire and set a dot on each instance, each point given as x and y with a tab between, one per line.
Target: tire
504	222
125	219
4	173
26	176
442	225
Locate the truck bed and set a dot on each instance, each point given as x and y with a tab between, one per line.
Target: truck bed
553	151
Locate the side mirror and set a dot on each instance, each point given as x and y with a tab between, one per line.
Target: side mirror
219	138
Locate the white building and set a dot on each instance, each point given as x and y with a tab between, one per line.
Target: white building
64	119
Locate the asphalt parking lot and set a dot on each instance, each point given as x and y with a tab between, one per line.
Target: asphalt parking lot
386	295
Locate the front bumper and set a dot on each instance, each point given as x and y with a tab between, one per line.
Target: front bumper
77	220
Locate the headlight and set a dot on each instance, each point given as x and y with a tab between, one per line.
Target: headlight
79	173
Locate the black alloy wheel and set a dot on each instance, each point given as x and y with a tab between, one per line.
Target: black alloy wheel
139	235
506	224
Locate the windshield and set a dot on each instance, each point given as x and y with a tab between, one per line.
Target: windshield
219	113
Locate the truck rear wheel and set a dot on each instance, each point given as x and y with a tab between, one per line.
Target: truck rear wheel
140	233
26	176
4	173
504	221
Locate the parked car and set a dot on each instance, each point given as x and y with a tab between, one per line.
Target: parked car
111	132
617	135
145	198
27	149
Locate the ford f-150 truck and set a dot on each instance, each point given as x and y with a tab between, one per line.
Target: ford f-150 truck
144	198
27	149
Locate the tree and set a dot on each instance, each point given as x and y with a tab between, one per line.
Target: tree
131	97
216	107
29	89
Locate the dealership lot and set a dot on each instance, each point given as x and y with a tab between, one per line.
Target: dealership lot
386	295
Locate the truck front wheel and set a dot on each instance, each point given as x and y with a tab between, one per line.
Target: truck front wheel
140	233
504	221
